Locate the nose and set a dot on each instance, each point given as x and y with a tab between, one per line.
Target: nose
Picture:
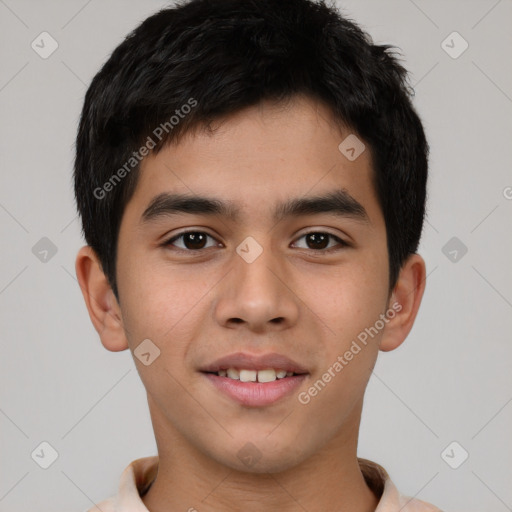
257	295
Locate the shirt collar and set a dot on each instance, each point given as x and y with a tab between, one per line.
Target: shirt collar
139	475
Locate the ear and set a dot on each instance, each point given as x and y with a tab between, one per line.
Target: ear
100	300
404	302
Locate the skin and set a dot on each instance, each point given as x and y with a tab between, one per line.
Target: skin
198	307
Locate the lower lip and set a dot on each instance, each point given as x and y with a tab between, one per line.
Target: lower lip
256	394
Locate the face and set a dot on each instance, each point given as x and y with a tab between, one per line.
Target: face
269	277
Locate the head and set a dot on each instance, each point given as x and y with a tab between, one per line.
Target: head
229	120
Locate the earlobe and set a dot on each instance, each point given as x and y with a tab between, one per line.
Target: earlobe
405	302
100	300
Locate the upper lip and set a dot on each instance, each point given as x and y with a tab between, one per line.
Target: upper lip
246	361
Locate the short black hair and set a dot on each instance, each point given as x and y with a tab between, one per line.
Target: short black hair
200	60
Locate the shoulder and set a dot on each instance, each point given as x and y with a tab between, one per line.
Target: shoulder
107	505
135	480
390	499
408	504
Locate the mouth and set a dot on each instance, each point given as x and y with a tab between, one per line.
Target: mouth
255	381
262	376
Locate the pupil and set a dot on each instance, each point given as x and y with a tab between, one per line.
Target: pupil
194	239
318	240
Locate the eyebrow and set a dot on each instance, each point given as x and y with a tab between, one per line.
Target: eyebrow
338	202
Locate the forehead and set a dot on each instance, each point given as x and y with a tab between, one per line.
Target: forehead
259	158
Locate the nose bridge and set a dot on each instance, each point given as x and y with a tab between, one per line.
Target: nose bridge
255	293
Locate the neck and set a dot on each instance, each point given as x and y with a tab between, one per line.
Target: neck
189	480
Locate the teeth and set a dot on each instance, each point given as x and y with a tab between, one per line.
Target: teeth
232	373
267	375
248	375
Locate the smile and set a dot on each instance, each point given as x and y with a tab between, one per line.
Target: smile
267	375
253	388
255	380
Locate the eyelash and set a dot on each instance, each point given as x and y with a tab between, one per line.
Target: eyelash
343	244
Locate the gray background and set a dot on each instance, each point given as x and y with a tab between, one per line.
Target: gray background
450	381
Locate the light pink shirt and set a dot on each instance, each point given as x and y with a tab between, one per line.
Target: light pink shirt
139	474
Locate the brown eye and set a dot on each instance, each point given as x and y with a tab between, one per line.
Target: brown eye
194	240
318	240
190	241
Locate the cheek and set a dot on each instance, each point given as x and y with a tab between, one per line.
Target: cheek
156	304
170	307
350	303
348	298
162	307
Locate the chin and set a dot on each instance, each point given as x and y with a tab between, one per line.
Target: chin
260	456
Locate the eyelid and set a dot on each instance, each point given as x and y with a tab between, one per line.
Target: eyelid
342	243
168	241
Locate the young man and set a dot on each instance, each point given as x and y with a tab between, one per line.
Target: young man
251	179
